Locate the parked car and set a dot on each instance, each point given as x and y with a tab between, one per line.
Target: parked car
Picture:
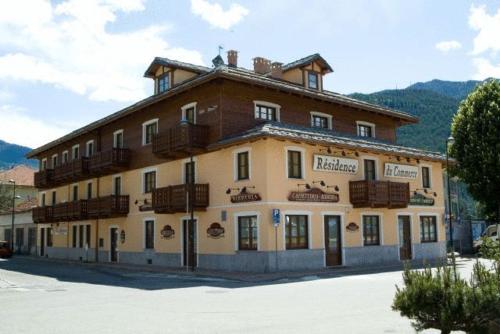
491	232
5	250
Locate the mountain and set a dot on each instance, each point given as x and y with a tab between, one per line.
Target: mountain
12	154
434	102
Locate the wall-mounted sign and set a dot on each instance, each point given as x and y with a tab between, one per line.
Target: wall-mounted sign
245	196
276	217
327	163
122	236
167	232
313	195
352	226
146	207
419	199
400	171
215	231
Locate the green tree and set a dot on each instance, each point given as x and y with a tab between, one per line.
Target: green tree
476	129
5	198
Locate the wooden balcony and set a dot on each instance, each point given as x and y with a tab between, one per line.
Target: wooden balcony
108	206
174	199
42	215
110	161
70	211
43	179
379	194
71	171
181	141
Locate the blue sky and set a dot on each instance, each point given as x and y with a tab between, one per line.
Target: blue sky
66	63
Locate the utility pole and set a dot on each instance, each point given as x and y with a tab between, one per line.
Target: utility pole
13	214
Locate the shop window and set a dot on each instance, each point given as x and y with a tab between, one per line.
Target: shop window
428	231
371	230
296	231
247	233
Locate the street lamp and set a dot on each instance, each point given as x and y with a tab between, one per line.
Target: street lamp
449	141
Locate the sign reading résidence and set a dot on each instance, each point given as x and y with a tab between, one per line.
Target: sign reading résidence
327	163
313	195
400	171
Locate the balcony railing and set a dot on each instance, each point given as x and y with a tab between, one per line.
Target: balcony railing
108	206
43	178
71	171
68	211
109	161
42	214
379	194
174	199
180	141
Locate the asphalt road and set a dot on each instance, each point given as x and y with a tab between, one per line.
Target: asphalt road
47	297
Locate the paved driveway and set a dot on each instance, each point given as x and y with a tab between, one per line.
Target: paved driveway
48	297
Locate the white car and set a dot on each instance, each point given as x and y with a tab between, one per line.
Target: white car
491	232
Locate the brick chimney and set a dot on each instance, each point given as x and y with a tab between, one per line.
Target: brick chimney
276	70
261	65
232	58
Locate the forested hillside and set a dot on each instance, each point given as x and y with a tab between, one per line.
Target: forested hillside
12	154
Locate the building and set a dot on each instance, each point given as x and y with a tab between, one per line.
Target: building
282	175
24	228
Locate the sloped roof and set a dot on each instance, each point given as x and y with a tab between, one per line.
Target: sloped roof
307	60
327	138
22	174
159	61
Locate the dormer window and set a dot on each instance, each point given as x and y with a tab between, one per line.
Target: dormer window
163	83
321	120
312	80
366	129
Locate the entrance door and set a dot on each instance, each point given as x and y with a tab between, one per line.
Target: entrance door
189	243
404	238
113	255
42	242
333	242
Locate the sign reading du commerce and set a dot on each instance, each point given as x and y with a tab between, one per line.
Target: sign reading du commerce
401	171
326	163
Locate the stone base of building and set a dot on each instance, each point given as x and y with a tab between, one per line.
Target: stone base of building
429	251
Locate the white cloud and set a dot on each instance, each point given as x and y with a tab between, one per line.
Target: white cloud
488	27
446	46
19	128
216	16
485	69
68	45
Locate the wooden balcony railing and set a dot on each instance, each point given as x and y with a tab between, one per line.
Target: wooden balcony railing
109	161
42	214
71	171
379	194
108	206
69	211
43	178
180	141
174	199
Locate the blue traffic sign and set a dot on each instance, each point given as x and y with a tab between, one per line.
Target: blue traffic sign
276	216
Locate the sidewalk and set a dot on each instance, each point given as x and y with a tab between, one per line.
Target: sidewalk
246	277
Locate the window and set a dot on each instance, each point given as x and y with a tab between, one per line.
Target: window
265	112
189	113
366	129
74	235
428	229
54	197
371	230
296	234
89	190
149	182
312	80
81	235
75	192
149	232
294	164
87	235
31	237
118	139
7	235
43	199
243	166
247	233
54	161
90	148
117	185
65	157
189	172
149	129
75	152
163	83
318	121
370	170
49	236
43	166
426	177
